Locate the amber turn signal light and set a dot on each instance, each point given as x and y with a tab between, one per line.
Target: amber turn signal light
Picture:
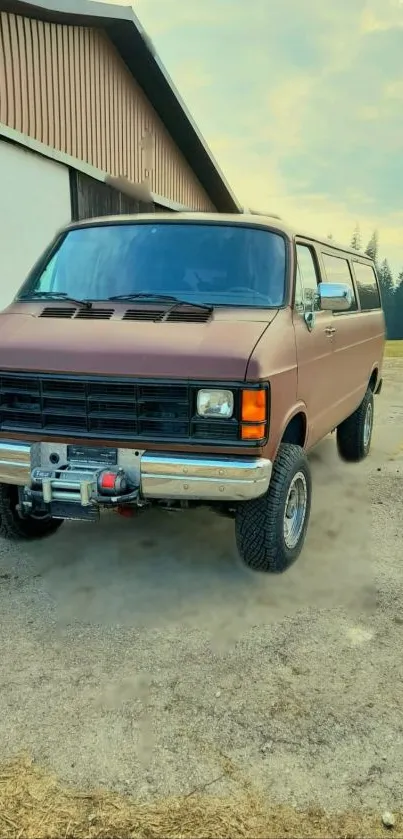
254	406
253	432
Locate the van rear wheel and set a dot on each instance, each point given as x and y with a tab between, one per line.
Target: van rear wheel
271	530
354	435
17	529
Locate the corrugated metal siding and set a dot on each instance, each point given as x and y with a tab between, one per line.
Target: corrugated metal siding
91	198
67	87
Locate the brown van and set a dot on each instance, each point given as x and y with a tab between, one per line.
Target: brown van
181	360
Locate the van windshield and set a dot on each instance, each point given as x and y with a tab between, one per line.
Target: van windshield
217	264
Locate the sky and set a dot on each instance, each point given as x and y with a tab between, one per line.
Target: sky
300	102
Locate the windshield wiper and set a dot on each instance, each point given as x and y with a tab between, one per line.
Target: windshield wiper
56	295
144	296
168	298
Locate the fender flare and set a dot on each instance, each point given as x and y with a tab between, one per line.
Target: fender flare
299	408
375	367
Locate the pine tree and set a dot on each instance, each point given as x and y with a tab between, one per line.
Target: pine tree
385	277
372	247
387	288
398	308
356	238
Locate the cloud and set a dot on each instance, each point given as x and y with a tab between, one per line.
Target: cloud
299	102
385	17
394	90
197	76
166	16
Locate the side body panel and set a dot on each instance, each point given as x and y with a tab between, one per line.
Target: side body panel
315	374
358	351
275	360
314	347
338	357
358	345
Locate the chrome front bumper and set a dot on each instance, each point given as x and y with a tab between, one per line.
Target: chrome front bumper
159	475
209	479
15	463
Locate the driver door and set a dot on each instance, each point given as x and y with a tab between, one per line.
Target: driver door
314	337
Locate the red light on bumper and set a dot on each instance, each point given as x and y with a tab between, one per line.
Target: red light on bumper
107	480
112	483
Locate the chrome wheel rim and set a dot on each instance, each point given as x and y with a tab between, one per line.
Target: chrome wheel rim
369	415
295	510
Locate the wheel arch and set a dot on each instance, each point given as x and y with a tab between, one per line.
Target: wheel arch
373	379
295	427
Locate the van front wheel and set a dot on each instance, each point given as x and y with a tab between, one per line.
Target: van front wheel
354	435
270	530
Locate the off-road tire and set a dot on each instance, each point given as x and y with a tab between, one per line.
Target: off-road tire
17	529
351	443
259	524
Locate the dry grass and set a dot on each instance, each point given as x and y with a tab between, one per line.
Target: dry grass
394	349
33	805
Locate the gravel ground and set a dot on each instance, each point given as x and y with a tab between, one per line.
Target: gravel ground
140	655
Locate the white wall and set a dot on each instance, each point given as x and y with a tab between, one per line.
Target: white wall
34	204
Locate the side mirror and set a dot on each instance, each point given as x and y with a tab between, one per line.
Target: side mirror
335	297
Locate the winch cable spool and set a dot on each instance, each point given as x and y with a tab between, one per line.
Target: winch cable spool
113	488
113	483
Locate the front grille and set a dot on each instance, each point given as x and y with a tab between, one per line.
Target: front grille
118	409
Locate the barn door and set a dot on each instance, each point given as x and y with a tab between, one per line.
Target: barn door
91	198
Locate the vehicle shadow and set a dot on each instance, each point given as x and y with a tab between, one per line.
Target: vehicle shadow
164	569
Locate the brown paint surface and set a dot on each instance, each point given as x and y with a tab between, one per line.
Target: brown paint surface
323	380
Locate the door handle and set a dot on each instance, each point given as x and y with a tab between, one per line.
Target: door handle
330	331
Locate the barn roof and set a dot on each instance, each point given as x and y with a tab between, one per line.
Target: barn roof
137	51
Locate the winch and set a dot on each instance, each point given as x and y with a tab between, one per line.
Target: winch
71	492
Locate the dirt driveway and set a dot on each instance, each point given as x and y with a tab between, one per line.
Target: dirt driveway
139	655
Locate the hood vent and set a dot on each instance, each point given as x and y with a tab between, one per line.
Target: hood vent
81	314
57	312
191	316
150	315
176	316
143	314
94	314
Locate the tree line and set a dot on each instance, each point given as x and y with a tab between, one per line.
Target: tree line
391	289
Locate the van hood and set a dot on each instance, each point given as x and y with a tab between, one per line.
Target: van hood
219	349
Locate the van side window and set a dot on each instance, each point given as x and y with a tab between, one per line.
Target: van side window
299	293
338	271
367	285
306	268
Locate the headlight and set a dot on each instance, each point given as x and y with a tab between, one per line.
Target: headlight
215	403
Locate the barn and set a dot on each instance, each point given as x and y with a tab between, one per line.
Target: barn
87	112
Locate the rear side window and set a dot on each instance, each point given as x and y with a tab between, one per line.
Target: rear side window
338	271
307	278
367	285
